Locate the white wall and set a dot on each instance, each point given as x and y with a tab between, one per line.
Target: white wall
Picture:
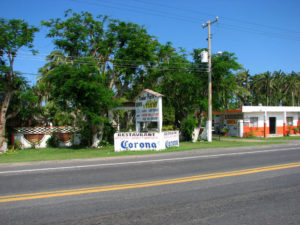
279	117
43	143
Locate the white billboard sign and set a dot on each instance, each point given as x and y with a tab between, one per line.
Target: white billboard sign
147	108
171	139
133	141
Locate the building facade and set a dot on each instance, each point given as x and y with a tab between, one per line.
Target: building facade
260	121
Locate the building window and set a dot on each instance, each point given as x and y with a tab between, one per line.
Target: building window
253	121
289	121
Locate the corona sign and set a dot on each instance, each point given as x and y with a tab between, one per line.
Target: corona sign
134	141
148	109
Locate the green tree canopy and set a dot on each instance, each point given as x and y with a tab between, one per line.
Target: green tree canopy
14	34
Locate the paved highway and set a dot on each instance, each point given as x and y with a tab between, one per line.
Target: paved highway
248	185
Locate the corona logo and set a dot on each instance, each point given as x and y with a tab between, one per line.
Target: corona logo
135	145
169	144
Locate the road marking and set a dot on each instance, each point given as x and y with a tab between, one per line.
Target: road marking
61	193
145	161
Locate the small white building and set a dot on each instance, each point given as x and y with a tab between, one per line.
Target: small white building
260	121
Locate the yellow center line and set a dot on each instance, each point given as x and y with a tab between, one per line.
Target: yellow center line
60	193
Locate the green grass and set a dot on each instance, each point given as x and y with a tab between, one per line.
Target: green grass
283	138
286	138
28	155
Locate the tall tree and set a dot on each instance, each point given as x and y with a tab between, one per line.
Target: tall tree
264	85
14	34
243	87
223	79
119	50
292	88
80	89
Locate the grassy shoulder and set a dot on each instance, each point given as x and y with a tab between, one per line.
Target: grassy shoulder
29	155
268	139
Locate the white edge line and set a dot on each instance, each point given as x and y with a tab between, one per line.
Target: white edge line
145	161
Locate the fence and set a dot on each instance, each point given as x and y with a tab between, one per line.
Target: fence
37	137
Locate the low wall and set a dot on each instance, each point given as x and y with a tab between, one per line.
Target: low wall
37	136
138	141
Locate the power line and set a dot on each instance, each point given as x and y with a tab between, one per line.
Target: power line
211	15
187	10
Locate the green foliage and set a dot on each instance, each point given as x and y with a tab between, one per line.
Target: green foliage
108	133
103	143
225	130
18	145
168	127
53	141
274	89
90	72
249	134
223	79
58	117
187	128
14	34
86	135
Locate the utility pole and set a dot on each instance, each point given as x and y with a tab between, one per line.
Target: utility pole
209	120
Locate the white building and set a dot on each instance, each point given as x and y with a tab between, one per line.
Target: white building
261	121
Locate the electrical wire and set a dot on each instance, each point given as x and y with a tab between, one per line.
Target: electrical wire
196	20
207	14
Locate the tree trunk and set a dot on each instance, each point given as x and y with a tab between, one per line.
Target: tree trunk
4	107
298	98
97	136
198	127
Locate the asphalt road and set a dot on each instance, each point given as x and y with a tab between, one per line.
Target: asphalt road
249	185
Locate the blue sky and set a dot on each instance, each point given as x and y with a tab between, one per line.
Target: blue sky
263	34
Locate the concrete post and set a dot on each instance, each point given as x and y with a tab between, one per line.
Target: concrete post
160	115
284	123
265	124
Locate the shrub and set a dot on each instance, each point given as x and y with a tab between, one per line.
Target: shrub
86	135
108	133
187	128
53	141
225	130
168	127
18	145
103	143
249	134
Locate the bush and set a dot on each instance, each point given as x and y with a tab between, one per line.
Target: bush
249	134
187	128
103	143
18	145
53	141
225	130
168	127
108	133
86	135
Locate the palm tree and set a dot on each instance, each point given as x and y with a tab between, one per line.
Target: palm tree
243	86
54	59
278	93
262	86
292	87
